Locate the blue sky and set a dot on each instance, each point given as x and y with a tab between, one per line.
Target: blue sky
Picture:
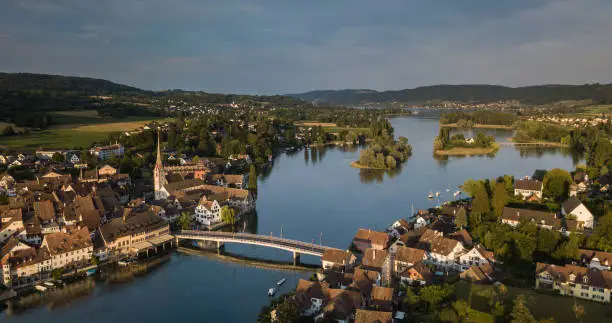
286	46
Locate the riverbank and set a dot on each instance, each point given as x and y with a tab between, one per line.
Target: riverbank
468	151
478	126
540	143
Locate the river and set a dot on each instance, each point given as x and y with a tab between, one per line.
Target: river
314	196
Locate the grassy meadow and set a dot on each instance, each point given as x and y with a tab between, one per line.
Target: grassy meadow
75	129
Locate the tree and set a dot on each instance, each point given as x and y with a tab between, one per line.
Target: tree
184	221
58	158
411	299
471	186
520	311
547	241
287	311
461	219
557	183
602	236
253	178
434	294
228	215
57	273
500	199
462	309
391	163
480	206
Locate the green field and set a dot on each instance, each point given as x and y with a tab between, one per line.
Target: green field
594	111
540	304
75	135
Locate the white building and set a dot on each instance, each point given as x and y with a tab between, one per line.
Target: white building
574	208
107	152
527	188
207	212
69	249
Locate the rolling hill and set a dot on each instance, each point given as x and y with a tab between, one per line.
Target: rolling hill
540	94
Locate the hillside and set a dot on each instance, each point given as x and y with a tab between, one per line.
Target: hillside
540	94
17	82
29	100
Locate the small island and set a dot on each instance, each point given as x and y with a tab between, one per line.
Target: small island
458	145
384	153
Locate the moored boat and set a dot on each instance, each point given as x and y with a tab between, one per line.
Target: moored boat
271	291
280	282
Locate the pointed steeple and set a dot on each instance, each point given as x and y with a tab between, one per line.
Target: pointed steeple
158	163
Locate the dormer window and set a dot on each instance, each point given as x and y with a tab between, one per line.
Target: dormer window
572	277
585	279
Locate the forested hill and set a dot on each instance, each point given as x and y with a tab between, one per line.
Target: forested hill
28	100
17	82
540	94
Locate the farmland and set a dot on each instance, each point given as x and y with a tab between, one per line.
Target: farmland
75	129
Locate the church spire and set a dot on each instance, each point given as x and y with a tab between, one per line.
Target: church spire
158	163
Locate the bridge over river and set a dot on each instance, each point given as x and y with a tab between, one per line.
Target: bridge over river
295	246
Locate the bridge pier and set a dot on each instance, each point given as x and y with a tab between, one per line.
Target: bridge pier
220	247
296	258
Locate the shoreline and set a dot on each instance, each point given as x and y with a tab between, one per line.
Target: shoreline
538	143
356	164
478	126
463	151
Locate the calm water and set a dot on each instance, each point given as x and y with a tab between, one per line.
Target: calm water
315	196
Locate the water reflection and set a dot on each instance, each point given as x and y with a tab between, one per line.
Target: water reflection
53	299
368	176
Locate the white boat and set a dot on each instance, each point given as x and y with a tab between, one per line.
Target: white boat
430	195
271	291
49	284
457	193
447	190
280	282
437	194
40	288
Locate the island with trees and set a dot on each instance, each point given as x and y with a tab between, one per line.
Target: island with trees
446	144
385	152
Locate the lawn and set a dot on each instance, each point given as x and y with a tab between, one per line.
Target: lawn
541	305
71	136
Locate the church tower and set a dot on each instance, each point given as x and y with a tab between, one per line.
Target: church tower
159	177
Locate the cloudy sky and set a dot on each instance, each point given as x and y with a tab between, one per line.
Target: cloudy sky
285	46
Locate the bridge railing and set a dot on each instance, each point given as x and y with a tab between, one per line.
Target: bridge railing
254	237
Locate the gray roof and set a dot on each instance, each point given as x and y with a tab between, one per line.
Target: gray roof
526	184
571	204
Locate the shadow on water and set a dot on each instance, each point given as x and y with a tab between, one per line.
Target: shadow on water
247	261
66	295
369	176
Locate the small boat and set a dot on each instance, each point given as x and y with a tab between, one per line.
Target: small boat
40	288
49	284
280	282
430	195
437	194
447	190
124	262
91	272
457	193
271	291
